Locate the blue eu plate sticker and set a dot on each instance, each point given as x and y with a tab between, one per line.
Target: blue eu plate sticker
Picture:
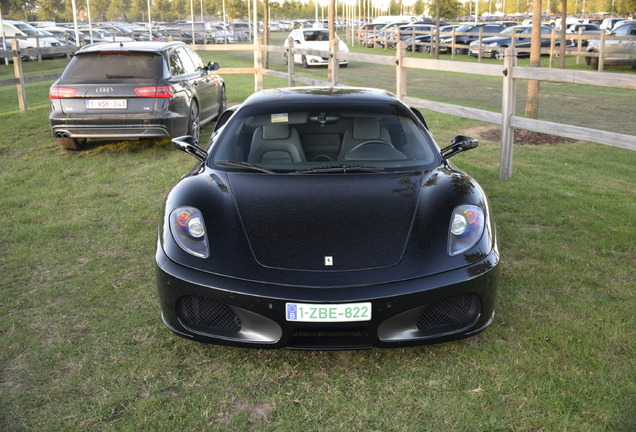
292	312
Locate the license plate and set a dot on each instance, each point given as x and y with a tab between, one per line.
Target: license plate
107	104
346	312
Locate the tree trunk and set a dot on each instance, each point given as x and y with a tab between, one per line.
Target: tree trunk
532	105
564	15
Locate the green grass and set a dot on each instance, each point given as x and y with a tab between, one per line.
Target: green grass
83	346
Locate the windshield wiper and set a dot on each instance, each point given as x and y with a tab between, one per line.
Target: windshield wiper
339	168
243	165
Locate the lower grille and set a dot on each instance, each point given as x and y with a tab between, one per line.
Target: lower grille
450	314
205	315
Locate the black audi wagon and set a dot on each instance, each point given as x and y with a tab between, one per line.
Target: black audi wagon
133	90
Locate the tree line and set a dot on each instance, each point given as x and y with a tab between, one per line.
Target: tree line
170	10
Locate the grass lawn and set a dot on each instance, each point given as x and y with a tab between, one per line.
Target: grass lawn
83	346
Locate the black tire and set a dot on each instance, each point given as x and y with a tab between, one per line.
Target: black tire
593	62
72	143
194	122
499	54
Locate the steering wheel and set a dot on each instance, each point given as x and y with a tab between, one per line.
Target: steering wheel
371	141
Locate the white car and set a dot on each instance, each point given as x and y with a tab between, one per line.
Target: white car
26	35
317	39
615	52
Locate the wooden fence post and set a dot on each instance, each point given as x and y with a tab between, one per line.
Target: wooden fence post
400	71
335	62
17	68
481	38
552	47
258	65
290	63
507	111
601	52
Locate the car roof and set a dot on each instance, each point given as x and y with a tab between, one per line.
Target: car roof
129	46
300	94
624	23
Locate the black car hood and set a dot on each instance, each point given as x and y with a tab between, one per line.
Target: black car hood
325	230
319	222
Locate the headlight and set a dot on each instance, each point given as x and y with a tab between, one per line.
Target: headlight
466	228
493	44
188	229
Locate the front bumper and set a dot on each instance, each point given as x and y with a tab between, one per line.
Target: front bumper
227	311
486	51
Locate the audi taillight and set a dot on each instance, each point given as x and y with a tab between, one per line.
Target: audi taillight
155	91
56	92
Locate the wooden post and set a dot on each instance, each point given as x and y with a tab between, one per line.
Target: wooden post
37	45
552	47
265	41
258	65
17	68
334	62
507	111
601	52
481	38
579	45
290	63
400	71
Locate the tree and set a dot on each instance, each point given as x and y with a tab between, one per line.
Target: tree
161	10
532	104
50	10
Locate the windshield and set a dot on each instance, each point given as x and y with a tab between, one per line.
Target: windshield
465	28
26	29
316	35
324	138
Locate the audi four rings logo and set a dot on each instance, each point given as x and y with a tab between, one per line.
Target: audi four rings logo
104	90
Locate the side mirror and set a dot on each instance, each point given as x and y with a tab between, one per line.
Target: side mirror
459	144
189	144
213	66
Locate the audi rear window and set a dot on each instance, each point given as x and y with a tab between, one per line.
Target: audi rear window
113	67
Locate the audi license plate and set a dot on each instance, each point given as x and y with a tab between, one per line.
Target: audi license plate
107	104
346	312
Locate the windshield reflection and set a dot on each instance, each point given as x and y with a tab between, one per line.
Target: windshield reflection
319	138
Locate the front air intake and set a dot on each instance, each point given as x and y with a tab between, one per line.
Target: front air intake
207	316
450	314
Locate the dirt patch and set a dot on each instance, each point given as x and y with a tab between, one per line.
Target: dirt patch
522	137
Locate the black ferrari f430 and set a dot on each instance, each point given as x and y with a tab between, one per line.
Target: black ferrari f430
326	218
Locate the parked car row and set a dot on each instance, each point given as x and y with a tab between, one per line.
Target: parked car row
519	37
28	36
417	35
491	39
202	32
